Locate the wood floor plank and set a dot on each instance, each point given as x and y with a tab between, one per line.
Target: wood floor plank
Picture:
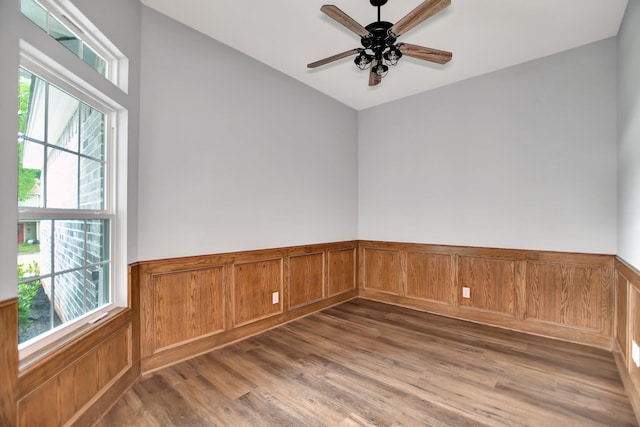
364	363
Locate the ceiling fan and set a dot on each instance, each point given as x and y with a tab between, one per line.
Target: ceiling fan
379	48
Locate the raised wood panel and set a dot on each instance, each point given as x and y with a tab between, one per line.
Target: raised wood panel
8	361
622	314
492	283
634	333
306	279
253	286
342	271
59	399
564	294
187	305
429	277
382	270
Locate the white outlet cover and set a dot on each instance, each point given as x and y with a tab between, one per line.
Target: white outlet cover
466	292
635	353
275	297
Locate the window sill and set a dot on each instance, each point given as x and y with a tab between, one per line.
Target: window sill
69	339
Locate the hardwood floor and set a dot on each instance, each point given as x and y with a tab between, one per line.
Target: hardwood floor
369	364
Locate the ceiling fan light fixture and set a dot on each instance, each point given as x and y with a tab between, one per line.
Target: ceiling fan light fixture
392	56
363	60
380	69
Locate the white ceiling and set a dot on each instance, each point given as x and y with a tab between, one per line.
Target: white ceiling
484	36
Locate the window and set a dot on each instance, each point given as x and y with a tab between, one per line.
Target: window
63	22
61	32
72	175
65	205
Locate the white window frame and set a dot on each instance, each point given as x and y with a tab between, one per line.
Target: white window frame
115	190
117	63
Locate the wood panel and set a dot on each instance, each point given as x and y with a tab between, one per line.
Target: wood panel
67	394
564	294
253	286
491	282
510	288
622	315
382	270
429	277
306	279
342	271
187	305
8	361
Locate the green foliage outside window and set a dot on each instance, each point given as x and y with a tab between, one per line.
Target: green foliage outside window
27	292
27	178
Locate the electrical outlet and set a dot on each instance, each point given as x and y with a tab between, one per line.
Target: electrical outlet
466	292
275	297
635	353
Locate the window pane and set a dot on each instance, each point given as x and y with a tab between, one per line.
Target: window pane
43	253
92	137
60	32
97	241
97	288
91	184
32	93
68	247
94	60
70	295
62	179
34	310
62	119
30	165
36	13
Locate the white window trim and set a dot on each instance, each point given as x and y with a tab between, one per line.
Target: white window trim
116	191
117	63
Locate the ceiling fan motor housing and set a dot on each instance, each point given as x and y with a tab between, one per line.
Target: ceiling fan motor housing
379	36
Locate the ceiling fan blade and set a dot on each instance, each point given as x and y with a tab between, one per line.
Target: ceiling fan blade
421	13
332	58
374	79
425	53
342	18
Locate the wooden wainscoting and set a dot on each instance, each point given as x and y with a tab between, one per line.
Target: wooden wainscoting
78	382
191	305
559	295
8	361
627	328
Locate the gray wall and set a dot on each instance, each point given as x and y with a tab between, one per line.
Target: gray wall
119	20
629	136
520	158
235	155
8	152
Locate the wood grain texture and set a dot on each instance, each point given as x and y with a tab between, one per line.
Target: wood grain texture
429	277
8	361
341	271
382	270
187	305
491	282
66	395
622	315
515	289
564	294
306	279
253	286
363	363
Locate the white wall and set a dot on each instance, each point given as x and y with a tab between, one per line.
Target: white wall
629	136
520	158
235	155
8	151
119	20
